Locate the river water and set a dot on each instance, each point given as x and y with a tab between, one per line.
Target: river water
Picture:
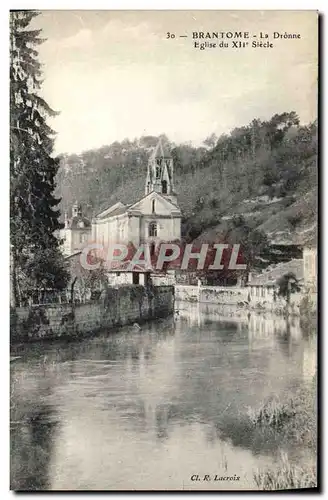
159	408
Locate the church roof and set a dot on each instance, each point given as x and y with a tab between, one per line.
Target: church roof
116	209
160	151
164	197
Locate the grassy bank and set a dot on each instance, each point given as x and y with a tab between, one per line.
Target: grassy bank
295	420
286	476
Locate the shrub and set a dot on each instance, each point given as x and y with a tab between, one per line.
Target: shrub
272	413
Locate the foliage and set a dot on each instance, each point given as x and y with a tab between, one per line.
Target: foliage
33	206
288	284
273	413
89	283
295	418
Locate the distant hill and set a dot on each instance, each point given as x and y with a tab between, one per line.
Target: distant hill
264	173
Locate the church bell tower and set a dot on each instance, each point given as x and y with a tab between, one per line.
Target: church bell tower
160	172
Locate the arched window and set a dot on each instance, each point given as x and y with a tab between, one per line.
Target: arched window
157	173
83	237
164	187
152	229
153	206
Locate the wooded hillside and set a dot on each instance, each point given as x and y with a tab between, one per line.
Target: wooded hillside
265	174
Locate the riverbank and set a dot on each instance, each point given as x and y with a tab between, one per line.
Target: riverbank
295	421
117	306
300	304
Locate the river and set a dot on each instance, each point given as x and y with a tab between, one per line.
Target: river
159	408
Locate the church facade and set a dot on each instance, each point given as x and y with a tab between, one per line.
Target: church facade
153	219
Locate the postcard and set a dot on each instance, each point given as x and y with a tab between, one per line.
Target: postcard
163	250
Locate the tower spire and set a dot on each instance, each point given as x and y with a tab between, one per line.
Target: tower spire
160	171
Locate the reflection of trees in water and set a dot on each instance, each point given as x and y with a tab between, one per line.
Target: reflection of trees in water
115	344
31	443
33	424
283	341
231	426
309	325
237	429
167	415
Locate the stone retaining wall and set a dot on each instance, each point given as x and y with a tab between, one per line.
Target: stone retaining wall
116	307
212	294
245	297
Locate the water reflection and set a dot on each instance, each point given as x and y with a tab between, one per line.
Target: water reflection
148	409
32	434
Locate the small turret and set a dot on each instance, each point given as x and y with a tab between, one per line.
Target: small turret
66	221
76	210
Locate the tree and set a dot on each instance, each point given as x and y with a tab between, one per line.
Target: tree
90	283
253	243
287	285
33	207
211	141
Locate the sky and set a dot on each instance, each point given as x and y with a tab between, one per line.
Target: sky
114	74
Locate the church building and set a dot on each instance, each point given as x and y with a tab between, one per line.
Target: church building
153	219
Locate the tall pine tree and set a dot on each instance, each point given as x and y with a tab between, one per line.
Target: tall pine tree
35	255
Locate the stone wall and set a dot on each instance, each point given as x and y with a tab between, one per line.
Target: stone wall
212	294
189	293
245	297
116	307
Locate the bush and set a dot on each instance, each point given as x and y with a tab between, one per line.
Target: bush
272	413
296	418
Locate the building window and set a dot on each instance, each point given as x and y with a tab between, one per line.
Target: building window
153	206
164	187
135	278
157	172
152	229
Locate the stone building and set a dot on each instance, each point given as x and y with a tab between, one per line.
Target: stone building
310	268
152	219
263	288
77	231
